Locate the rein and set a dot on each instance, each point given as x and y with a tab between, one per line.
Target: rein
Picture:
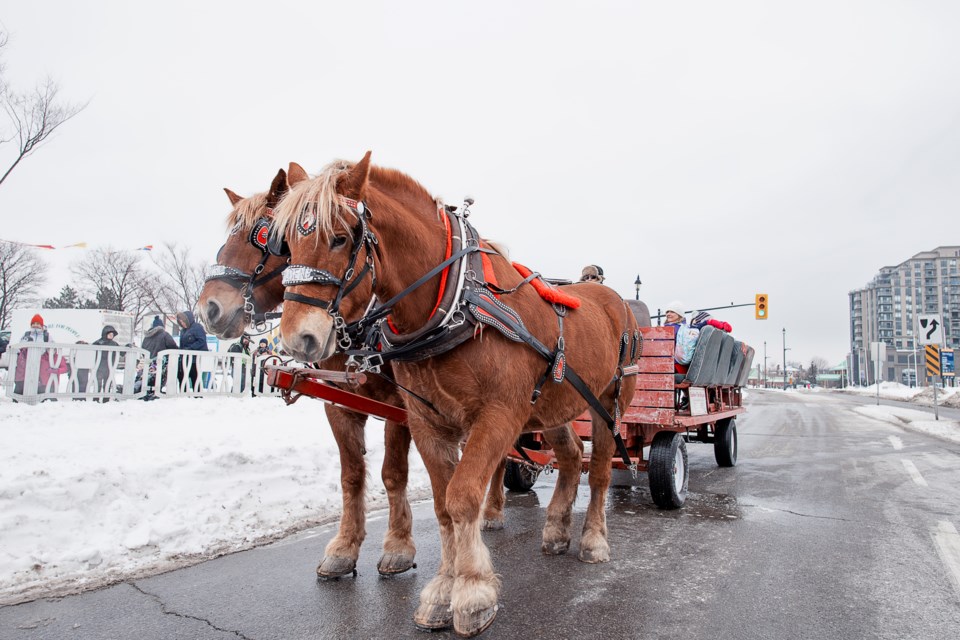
480	299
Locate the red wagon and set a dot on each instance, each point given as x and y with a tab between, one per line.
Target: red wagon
667	411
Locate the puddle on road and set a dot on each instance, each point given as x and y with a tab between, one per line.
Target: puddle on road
633	501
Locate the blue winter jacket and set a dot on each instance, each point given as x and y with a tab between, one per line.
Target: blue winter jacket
193	338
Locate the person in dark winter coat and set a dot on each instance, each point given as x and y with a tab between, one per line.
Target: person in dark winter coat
108	360
157	339
192	338
242	346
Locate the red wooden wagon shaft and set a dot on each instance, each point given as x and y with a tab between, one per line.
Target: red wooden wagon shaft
652	420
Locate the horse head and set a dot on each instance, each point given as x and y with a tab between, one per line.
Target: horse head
324	223
246	278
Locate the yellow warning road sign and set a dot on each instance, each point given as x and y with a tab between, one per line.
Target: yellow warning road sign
933	360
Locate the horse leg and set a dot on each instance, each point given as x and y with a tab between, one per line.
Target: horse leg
440	458
568	449
496	497
593	543
476	587
398	547
340	556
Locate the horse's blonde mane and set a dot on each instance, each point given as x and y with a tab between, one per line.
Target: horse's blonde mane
247	211
320	193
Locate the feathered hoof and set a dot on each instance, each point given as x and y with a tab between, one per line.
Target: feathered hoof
468	625
492	524
555	548
433	617
394	563
336	567
594	556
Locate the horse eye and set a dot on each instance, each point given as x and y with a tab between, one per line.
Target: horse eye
338	241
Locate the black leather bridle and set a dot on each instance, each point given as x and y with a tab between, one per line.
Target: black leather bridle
299	274
247	282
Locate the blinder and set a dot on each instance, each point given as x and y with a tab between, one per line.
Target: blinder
260	234
277	245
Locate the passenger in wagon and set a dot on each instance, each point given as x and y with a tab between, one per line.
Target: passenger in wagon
686	336
592	273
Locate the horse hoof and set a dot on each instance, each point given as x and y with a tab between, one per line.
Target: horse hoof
335	567
468	625
594	556
433	617
394	563
555	548
492	524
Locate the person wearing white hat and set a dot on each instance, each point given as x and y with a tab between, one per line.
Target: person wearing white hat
674	313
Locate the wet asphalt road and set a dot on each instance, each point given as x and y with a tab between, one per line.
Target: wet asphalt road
821	531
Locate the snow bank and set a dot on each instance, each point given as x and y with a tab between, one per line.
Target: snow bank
94	493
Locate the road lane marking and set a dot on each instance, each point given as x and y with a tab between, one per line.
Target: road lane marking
896	442
914	473
948	546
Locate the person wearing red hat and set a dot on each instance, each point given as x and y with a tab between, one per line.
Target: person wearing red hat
37	333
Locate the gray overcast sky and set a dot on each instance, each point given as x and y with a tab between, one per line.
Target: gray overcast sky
718	149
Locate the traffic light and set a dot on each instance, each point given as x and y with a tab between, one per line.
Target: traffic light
760	306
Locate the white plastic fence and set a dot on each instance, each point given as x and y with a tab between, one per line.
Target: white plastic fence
56	371
201	374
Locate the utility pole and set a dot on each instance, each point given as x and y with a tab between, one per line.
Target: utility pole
764	364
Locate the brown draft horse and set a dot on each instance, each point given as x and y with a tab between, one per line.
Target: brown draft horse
222	311
480	391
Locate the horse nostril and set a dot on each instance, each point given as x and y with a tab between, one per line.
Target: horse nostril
309	343
213	311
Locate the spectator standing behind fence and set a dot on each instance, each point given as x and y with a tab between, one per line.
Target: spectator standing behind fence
37	333
156	340
192	338
263	349
108	361
242	346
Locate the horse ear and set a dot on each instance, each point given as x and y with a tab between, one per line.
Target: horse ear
234	198
277	188
296	174
354	181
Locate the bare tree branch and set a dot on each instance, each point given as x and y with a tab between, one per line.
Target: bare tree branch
35	116
22	274
181	277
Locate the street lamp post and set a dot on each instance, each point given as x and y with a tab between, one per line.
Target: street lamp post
785	349
636	284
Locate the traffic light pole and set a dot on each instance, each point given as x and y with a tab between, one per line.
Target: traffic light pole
729	306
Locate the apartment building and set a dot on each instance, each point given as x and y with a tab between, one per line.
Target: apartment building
886	311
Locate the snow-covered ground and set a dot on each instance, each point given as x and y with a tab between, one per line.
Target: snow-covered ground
93	493
913	420
948	397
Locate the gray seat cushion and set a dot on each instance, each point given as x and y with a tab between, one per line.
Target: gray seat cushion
703	365
723	360
736	361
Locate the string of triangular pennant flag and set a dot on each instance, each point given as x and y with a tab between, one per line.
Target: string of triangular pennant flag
75	245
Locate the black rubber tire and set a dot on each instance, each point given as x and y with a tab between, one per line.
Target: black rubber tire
519	477
668	462
725	442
